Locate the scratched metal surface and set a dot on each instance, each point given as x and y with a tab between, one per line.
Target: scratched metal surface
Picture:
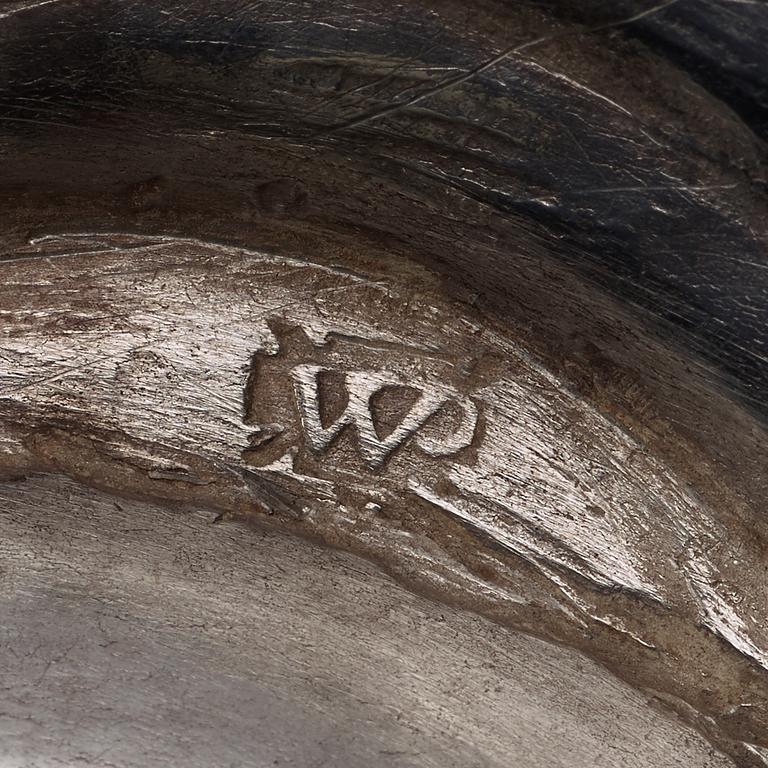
369	412
214	646
480	295
566	134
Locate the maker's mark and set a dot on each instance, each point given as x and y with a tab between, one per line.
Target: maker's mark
374	442
349	403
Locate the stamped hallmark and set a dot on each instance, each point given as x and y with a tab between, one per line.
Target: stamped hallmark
362	387
354	406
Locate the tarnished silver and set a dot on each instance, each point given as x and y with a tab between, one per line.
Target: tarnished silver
368	412
383	385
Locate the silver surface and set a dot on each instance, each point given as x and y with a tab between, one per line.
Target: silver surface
134	636
366	411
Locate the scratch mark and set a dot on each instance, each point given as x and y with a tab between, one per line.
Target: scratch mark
485	66
84	366
613	190
581	87
32	6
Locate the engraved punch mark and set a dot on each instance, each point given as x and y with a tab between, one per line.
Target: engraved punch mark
335	408
362	388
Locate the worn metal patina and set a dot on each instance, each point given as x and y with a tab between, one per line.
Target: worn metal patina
298	294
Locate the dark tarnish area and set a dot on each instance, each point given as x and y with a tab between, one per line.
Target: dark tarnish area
720	45
645	173
589	179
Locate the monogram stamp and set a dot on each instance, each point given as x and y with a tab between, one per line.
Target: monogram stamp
362	389
350	405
